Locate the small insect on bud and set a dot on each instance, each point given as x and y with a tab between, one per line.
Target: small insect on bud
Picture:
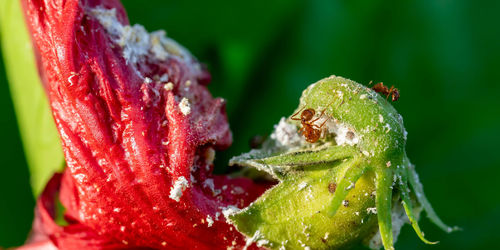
311	131
332	187
380	88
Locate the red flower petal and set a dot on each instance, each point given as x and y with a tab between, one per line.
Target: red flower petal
138	151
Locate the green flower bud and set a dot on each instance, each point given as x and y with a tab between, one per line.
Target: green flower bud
344	177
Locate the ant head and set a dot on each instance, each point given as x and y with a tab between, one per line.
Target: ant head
307	114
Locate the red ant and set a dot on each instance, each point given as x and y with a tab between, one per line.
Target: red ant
380	88
309	130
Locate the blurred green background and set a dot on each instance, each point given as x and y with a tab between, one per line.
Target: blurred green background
443	55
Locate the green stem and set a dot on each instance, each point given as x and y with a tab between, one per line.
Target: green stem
38	133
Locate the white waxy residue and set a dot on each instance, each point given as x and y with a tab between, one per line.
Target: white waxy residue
285	134
237	190
168	86
302	185
137	44
70	78
210	221
262	242
184	106
210	184
372	210
257	235
344	134
157	39
387	128
229	210
179	186
210	155
163	78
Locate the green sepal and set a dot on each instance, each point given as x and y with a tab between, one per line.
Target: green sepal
280	163
384	207
422	199
408	206
295	213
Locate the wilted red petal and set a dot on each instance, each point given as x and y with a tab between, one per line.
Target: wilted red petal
41	245
128	139
47	234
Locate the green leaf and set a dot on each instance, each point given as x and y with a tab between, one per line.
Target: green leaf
39	135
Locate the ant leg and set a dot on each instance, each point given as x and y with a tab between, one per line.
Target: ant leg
323	112
320	115
302	131
317	118
297	119
322	124
341	103
321	128
389	92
